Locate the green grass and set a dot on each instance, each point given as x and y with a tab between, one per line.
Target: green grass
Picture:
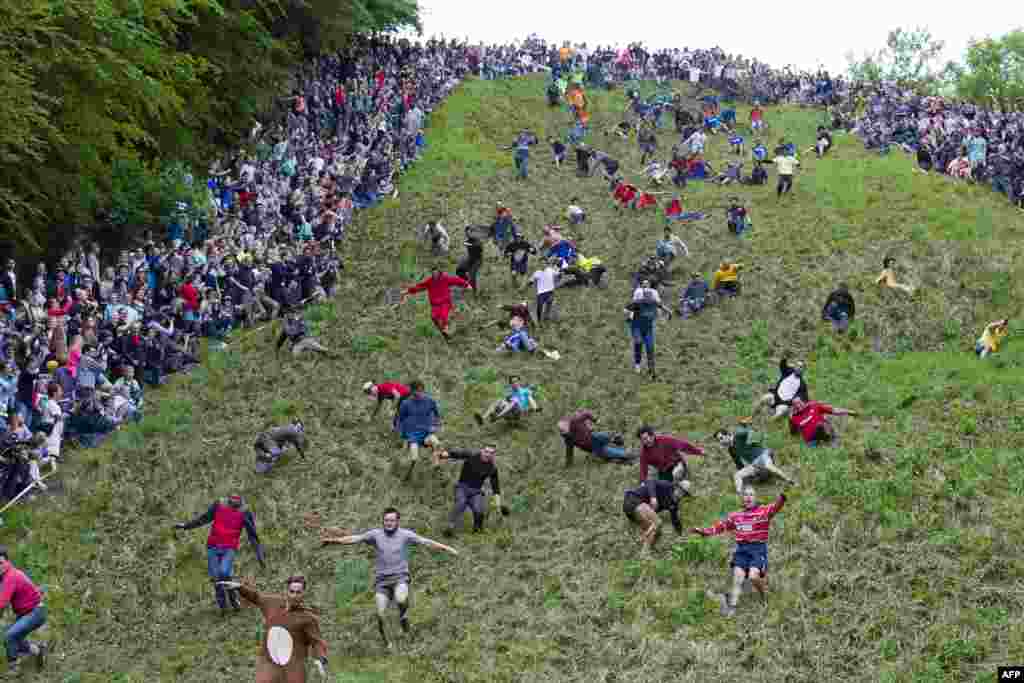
896	560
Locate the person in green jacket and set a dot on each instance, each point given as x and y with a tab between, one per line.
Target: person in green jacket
752	458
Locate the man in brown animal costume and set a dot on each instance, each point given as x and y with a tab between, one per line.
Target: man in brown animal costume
291	633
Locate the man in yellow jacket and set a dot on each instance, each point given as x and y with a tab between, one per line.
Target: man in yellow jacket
726	279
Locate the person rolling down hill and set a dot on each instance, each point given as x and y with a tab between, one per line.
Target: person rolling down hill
438	288
752	459
291	632
992	336
750	559
810	420
791	385
726	280
478	466
270	445
391	575
642	505
664	453
577	431
222	544
520	340
296	332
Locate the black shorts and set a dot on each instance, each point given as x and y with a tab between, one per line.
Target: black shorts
518	267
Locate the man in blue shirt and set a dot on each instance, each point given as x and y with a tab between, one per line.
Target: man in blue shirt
418	418
518	400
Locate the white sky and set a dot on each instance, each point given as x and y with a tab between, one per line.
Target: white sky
799	32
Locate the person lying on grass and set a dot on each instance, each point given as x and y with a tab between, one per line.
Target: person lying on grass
750	558
992	336
520	340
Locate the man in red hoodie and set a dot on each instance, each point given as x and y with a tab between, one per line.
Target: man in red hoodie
222	544
438	287
18	591
664	453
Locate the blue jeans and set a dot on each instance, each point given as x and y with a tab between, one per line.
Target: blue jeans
219	564
522	165
643	337
602	447
1001	183
16	634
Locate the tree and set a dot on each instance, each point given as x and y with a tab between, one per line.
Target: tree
108	105
993	72
909	59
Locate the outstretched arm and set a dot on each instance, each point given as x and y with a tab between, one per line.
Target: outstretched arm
434	545
201	520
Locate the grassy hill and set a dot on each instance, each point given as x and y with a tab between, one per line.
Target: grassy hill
897	559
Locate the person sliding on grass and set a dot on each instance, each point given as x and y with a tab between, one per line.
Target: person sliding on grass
391	575
517	401
642	505
990	339
726	280
664	453
438	287
477	467
296	332
810	420
643	312
222	544
577	431
387	391
520	340
839	308
887	278
750	559
418	417
791	385
752	459
270	444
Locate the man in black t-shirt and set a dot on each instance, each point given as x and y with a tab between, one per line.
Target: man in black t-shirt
477	467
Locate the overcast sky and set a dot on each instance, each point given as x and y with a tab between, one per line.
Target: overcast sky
800	32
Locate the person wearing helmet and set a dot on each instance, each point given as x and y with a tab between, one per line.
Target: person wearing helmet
227	522
642	504
270	444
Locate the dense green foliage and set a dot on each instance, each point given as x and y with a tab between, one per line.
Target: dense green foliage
993	72
894	561
108	103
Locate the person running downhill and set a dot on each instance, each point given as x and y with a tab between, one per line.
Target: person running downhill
750	558
643	312
438	287
664	453
222	544
477	467
391	576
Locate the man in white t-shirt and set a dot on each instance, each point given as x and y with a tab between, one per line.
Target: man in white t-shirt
545	280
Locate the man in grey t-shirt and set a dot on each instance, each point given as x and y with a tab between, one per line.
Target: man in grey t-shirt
391	574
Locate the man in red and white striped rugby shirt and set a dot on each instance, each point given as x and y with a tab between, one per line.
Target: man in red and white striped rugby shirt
750	560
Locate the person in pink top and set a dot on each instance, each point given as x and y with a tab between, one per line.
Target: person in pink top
18	591
750	560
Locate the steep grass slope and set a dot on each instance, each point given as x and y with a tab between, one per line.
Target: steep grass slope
896	560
